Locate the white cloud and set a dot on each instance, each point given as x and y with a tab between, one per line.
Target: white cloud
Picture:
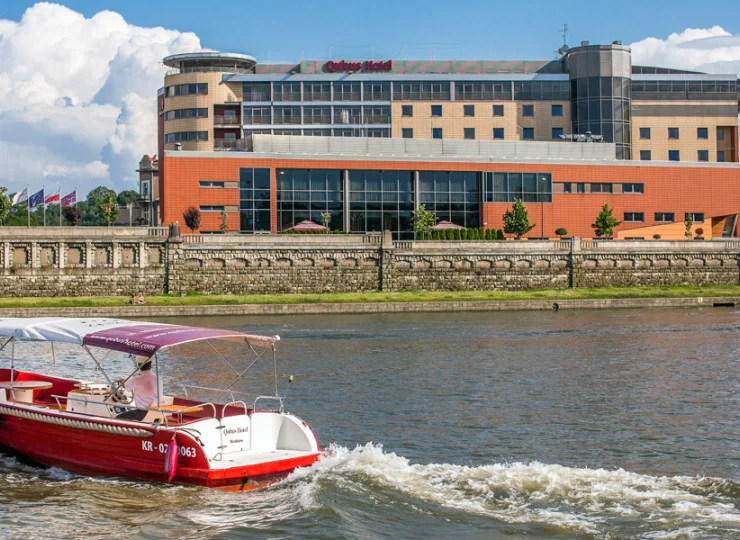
78	95
710	50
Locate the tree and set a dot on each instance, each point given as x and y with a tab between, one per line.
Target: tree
423	221
326	220
560	231
605	222
5	204
72	215
516	220
90	208
224	225
688	222
108	208
191	216
127	197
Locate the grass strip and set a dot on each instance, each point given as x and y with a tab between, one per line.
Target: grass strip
678	291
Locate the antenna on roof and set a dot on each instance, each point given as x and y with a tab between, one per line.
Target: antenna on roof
565	35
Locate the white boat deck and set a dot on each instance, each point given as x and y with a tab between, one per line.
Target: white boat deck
241	459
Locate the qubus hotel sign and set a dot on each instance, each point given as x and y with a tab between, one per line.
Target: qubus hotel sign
337	66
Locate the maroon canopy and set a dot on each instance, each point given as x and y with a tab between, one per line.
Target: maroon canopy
146	339
445	225
307	226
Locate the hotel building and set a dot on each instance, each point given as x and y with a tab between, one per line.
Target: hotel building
378	138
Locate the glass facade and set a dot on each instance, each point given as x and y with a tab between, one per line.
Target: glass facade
381	200
254	200
601	106
304	194
684	90
527	187
452	196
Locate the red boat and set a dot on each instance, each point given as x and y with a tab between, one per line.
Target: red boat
98	428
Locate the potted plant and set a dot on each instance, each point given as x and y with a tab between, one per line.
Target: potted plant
561	232
699	234
656	237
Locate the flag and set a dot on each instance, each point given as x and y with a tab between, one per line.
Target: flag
70	199
37	199
52	198
20	196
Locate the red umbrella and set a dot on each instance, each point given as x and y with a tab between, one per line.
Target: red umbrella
446	225
307	226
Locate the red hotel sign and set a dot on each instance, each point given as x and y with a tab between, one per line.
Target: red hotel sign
368	65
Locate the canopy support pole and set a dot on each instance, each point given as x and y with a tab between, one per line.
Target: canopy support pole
274	368
12	362
97	364
53	354
156	371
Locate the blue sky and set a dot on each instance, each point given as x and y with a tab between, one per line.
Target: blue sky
473	29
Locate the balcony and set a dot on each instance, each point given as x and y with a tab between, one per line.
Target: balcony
220	120
229	144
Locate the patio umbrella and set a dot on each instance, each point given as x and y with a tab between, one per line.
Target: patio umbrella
307	226
446	225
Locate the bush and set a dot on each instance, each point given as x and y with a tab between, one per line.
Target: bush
500	234
656	237
560	231
699	231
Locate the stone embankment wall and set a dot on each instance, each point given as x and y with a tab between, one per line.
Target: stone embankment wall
123	261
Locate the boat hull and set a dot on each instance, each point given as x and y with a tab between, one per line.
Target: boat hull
104	447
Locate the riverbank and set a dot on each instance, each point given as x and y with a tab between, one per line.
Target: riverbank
375	302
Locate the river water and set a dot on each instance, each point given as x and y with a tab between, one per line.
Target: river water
577	424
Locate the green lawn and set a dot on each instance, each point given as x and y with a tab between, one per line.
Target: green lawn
406	296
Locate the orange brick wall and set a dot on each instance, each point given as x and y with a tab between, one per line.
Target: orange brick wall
713	191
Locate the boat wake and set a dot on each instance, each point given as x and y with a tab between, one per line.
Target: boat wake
591	501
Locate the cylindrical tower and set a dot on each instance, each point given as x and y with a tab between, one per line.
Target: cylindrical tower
201	112
601	79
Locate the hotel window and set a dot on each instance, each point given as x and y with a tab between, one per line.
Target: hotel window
498	110
702	133
187	89
720	156
557	132
557	110
381	200
347	115
469	133
287	91
698	216
673	133
567	187
377	91
407	133
633	188
452	196
720	134
527	187
254	200
645	155
601	188
377	115
674	155
145	189
211	208
347	91
468	110
317	132
287	115
303	195
257	115
528	134
184	136
644	133
664	217
186	113
634	217
436	110
581	187
316	91
211	184
436	133
482	91
317	115
421	91
498	133
407	110
703	155
527	110
256	91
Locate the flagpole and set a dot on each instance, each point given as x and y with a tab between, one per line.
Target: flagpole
43	197
59	189
28	203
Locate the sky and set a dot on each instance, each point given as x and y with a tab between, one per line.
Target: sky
78	78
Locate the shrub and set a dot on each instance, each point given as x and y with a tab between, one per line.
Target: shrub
500	235
656	237
191	216
699	231
560	231
488	234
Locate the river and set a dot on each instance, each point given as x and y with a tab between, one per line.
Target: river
576	424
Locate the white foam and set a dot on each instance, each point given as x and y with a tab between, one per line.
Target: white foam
573	498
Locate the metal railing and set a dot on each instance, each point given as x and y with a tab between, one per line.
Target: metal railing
208	69
222	120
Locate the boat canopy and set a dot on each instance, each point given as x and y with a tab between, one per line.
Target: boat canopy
140	338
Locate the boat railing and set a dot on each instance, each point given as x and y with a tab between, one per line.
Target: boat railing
235	403
110	406
230	392
268	398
